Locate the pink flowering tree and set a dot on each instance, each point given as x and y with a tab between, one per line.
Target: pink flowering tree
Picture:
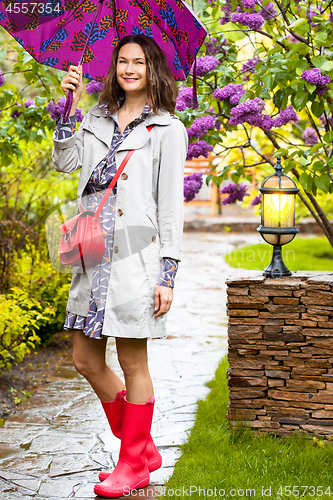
265	87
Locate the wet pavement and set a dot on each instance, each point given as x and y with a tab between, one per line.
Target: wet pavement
59	440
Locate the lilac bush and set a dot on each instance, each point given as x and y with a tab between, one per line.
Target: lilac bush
315	77
310	137
198	148
256	200
252	21
184	99
93	87
267	94
236	193
206	64
57	109
200	126
192	185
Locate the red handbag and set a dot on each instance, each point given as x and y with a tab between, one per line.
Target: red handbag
83	243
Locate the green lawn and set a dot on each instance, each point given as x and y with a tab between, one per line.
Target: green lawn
233	461
302	254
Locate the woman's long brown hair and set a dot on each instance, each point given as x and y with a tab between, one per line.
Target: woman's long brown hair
162	90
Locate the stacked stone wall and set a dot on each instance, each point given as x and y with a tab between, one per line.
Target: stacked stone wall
280	338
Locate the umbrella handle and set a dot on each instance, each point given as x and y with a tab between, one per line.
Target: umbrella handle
68	106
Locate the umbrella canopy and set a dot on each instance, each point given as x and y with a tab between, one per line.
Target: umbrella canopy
56	32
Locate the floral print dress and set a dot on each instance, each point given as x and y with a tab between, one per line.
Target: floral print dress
102	175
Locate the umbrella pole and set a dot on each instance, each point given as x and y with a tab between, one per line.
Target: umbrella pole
69	100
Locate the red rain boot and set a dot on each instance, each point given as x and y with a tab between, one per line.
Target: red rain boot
113	411
131	471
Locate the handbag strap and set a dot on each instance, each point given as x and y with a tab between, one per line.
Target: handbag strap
116	177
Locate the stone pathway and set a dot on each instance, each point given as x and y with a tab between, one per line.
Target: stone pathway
59	439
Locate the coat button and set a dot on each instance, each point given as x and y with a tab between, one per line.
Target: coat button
116	249
153	239
120	212
124	176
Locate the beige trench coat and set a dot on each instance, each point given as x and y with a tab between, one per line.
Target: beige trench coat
149	215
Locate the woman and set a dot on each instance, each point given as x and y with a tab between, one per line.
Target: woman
128	294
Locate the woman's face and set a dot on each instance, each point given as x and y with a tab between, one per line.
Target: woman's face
132	69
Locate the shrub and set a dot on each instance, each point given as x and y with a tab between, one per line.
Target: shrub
20	318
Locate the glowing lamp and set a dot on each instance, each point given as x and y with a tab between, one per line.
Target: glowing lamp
278	217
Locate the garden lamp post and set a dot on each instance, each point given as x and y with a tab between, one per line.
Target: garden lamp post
278	217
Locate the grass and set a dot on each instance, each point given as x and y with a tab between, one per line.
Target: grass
302	254
235	460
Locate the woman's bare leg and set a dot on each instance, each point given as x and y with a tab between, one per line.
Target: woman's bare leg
89	361
133	359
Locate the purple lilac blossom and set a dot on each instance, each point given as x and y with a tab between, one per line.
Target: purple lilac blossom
184	99
252	21
198	148
16	113
94	87
285	116
249	4
227	10
192	185
248	111
2	78
315	77
329	118
291	39
57	109
310	137
213	47
232	91
206	64
268	12
256	200
249	67
200	126
236	193
29	102
313	13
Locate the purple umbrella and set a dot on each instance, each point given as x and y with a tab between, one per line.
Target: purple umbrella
59	33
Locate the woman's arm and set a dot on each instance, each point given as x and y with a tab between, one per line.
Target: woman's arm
65	130
171	189
168	273
68	147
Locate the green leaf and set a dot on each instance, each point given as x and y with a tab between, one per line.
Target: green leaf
317	108
318	61
299	99
26	57
316	147
322	182
297	23
304	180
328	137
327	66
268	81
310	87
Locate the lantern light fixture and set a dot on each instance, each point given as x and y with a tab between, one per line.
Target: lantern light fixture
278	217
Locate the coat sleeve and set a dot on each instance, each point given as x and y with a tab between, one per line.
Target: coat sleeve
67	153
171	189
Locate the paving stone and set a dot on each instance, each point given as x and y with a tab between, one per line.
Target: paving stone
57	442
32	464
59	487
72	464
